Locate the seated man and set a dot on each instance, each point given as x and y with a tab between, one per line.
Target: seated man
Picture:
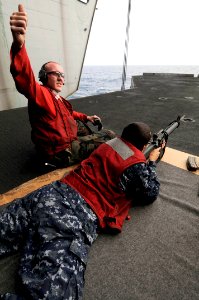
52	118
55	226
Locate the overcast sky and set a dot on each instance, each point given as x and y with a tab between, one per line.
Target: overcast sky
162	32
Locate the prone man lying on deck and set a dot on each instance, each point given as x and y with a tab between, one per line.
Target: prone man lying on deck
52	118
55	225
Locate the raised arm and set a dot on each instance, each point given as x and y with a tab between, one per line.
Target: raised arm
21	68
18	25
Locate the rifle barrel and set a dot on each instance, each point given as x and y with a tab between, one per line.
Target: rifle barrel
171	128
164	135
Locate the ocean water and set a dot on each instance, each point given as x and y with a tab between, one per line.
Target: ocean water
104	79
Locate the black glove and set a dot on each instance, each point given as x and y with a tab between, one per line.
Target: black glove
98	123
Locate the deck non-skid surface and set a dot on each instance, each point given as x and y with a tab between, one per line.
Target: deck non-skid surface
156	100
156	255
171	156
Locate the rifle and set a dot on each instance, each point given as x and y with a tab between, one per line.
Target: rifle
162	137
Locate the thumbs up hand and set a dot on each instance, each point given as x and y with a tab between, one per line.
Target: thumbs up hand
18	24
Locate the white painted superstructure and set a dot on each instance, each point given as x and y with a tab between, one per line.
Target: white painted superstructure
58	30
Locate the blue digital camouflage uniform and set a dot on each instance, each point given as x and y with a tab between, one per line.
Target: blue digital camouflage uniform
140	181
59	228
54	228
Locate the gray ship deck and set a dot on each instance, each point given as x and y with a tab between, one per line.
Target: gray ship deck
156	256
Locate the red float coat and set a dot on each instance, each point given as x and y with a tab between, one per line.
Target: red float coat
52	120
97	180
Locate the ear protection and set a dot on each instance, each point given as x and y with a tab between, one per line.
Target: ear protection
43	74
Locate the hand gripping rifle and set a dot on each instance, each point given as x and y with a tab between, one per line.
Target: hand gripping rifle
162	137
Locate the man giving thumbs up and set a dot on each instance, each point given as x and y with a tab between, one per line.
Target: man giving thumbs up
52	118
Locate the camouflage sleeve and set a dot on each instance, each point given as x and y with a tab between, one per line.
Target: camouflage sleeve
141	183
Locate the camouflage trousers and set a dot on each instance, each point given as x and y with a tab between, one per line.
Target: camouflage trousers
84	145
86	142
53	227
